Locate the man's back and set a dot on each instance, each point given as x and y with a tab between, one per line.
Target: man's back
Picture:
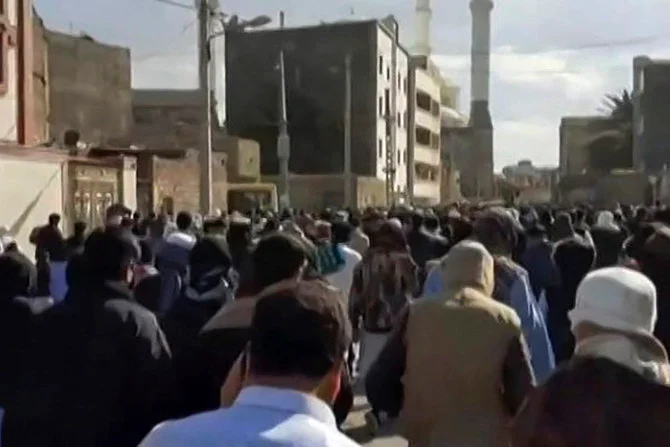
95	373
260	417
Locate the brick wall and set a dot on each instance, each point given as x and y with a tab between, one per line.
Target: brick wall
178	181
89	88
40	81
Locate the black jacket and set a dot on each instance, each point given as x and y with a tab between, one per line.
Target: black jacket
97	372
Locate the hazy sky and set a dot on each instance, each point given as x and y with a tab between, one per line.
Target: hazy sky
551	57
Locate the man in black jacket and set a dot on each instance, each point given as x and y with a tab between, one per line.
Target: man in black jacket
97	370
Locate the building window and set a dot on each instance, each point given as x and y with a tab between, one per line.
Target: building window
405	120
399	120
7	40
381	106
381	64
404	156
399	158
404	85
423	136
388	73
423	101
399	80
380	150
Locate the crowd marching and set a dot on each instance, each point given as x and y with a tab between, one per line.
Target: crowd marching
463	326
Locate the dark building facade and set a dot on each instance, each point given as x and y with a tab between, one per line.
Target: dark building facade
315	82
653	131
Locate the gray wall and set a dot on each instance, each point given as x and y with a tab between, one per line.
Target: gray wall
315	61
89	88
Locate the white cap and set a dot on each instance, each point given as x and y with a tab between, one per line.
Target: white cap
616	298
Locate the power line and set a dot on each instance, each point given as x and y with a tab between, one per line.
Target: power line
567	49
159	53
176	4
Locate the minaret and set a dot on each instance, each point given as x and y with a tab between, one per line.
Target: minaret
480	116
424	17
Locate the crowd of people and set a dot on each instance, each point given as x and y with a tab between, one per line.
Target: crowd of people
464	326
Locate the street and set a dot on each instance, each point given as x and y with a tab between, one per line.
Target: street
355	427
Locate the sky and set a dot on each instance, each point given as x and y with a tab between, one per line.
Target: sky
550	58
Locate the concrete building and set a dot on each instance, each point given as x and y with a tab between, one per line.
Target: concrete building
477	173
89	88
425	82
651	99
535	184
575	133
424	167
315	80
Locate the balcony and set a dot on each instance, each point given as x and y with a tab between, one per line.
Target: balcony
427	190
428	120
426	155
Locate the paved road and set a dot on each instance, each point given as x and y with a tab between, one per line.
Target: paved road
355	427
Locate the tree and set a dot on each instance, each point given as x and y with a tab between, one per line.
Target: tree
613	149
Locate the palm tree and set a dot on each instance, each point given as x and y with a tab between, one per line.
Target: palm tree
613	149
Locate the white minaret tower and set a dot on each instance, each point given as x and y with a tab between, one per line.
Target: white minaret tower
480	49
481	178
424	16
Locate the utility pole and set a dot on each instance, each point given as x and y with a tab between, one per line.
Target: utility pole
348	199
205	93
283	139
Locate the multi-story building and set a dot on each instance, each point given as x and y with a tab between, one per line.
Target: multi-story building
534	184
17	121
651	99
36	181
315	75
424	170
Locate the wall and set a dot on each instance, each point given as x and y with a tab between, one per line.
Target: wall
27	204
40	80
9	92
89	88
315	80
179	180
575	133
384	78
655	109
316	192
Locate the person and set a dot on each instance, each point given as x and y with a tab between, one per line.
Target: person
172	260
75	243
343	279
498	232
18	279
291	375
208	290
614	392
97	370
608	239
359	240
49	247
537	259
385	281
615	316
573	258
457	365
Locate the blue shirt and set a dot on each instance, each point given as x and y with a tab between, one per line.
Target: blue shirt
532	322
260	417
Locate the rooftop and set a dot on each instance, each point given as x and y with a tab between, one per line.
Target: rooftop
166	98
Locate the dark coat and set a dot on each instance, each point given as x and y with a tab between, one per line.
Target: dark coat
594	402
96	372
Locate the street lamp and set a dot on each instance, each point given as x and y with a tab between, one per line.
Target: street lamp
208	9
